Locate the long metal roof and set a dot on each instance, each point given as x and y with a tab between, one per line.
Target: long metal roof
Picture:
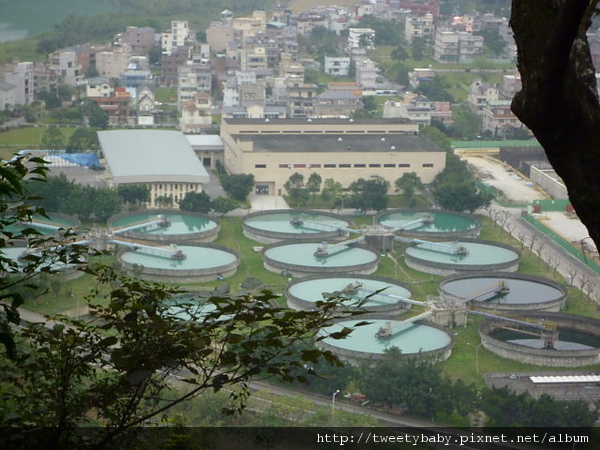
566	379
151	156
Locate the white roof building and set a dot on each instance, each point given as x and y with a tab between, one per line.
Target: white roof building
163	160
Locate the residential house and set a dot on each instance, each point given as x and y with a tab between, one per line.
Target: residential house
445	46
117	106
179	35
112	63
419	27
98	87
366	74
337	65
139	39
339	104
480	94
193	78
71	64
510	85
22	77
8	95
172	62
361	37
498	118
300	99
196	114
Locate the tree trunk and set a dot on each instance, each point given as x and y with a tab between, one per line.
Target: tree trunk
559	100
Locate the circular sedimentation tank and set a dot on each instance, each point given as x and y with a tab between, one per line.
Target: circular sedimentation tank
496	292
299	259
560	340
431	223
465	255
379	294
165	226
277	225
184	263
49	225
16	254
364	343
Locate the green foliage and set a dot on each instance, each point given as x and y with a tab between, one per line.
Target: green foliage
58	194
83	139
53	139
238	186
369	194
134	194
438	137
455	189
409	184
387	32
416	385
196	202
506	408
296	189
466	125
223	205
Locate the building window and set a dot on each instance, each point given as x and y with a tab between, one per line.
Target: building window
284	166
389	165
329	166
345	166
314	166
260	166
360	165
375	165
299	166
427	165
403	165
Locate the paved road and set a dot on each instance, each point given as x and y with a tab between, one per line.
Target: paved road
568	266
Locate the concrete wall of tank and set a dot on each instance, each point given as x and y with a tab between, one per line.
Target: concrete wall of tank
184	238
271	237
473	233
545	357
499	308
355	356
391	310
295	270
444	269
185	275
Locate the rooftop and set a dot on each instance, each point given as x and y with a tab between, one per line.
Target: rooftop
151	156
336	143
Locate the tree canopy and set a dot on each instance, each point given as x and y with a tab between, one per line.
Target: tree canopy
111	371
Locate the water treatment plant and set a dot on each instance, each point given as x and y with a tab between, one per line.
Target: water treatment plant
377	294
274	226
298	259
172	227
498	292
430	223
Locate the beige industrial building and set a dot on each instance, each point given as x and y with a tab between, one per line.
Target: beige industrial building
342	149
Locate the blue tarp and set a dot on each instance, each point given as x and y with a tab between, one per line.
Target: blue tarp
83	159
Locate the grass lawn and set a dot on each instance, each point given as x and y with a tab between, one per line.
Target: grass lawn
26	138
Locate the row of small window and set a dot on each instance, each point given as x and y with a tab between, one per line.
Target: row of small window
340	166
176	187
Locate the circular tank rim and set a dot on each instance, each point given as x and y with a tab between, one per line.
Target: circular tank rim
296	268
468	267
177	273
437	234
544	357
507	306
356	355
300	303
171	238
75	224
282	236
